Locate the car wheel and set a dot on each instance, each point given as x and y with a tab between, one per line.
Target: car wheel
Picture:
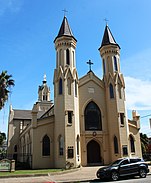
114	175
142	173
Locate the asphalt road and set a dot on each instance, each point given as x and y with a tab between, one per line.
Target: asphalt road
45	179
128	180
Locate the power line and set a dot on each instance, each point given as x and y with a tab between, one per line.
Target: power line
146	116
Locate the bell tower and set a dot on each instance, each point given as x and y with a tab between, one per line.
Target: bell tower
66	104
44	102
115	96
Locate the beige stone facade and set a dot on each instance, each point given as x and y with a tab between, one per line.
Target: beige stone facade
87	124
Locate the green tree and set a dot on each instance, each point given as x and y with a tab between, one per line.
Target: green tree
144	142
6	82
2	138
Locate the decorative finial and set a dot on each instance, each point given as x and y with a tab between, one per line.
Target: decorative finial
65	11
44	80
106	20
89	63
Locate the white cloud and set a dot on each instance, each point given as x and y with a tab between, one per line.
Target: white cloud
10	5
138	94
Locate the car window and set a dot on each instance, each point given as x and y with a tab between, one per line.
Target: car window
116	162
125	162
135	160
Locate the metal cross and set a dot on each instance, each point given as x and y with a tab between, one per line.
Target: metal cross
106	20
65	11
89	63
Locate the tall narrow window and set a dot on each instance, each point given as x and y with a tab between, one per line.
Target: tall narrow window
67	57
69	86
57	59
122	118
46	146
119	90
115	145
75	88
132	145
60	55
60	145
111	91
115	64
15	148
70	113
78	144
60	86
104	66
73	58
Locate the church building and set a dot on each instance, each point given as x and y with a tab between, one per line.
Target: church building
87	124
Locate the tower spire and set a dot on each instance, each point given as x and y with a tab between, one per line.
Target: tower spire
65	29
108	38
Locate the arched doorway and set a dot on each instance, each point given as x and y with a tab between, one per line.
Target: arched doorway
93	153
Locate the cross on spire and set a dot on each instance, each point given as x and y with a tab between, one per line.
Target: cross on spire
89	63
65	11
106	20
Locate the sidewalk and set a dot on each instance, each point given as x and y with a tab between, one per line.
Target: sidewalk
82	174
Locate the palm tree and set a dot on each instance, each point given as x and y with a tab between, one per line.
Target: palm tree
5	83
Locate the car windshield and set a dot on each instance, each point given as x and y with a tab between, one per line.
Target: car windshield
116	162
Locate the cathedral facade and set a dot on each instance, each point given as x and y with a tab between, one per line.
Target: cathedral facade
87	124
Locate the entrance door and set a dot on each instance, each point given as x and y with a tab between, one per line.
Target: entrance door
93	153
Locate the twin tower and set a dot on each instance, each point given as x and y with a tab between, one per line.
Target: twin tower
90	118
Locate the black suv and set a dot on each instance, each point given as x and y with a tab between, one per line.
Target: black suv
124	167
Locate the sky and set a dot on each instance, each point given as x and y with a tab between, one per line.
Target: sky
28	29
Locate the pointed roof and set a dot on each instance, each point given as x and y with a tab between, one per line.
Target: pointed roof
65	29
108	38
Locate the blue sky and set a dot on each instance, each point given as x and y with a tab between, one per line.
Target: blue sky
28	29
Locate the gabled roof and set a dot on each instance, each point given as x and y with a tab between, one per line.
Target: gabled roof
108	38
22	114
65	29
25	114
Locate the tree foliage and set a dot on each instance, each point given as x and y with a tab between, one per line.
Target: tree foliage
144	142
6	82
2	138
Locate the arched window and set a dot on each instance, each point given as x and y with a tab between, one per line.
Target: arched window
115	64
132	145
92	114
69	86
115	145
111	91
46	146
67	57
60	86
60	145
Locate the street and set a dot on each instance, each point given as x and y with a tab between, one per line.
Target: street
46	179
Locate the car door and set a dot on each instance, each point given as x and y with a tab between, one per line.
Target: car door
134	167
124	167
